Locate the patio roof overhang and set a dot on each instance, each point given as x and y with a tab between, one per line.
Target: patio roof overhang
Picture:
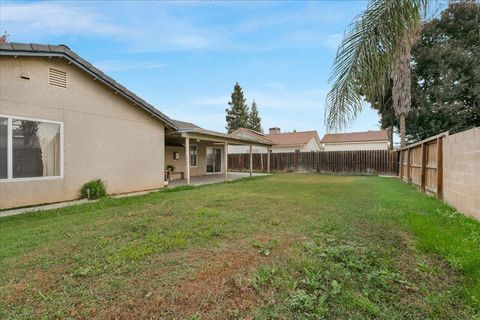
214	136
217	137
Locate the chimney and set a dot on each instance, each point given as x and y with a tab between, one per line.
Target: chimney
274	130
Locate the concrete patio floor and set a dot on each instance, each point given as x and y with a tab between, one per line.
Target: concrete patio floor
211	178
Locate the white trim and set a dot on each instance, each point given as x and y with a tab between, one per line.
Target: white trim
29	119
10	177
196	154
221	157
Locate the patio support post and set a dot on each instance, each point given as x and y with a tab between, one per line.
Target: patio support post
187	159
225	153
251	161
268	160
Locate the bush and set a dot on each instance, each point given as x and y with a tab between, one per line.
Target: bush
171	167
94	189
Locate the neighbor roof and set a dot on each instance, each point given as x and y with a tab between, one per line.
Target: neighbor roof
355	136
25	49
191	128
292	138
252	133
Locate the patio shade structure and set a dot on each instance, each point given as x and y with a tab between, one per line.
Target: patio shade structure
184	136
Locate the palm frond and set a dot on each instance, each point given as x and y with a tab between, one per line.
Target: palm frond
366	55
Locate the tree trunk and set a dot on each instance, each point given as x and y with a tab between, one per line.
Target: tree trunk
402	82
390	136
402	130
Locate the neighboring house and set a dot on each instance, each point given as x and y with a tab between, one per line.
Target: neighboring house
303	141
367	140
245	133
63	122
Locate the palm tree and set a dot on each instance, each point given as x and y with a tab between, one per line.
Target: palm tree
374	53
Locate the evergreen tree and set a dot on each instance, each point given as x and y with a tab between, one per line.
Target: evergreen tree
254	120
238	114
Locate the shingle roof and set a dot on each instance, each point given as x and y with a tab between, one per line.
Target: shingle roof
183	125
292	138
355	136
25	49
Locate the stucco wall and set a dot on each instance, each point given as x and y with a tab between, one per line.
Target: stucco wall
312	145
461	171
201	167
381	145
105	136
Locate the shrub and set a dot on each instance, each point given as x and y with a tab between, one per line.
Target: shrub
171	167
94	189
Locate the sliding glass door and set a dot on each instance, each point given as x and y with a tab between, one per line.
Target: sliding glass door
214	160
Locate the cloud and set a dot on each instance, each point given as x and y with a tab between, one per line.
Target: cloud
275	85
271	99
332	41
36	19
123	65
311	100
309	38
165	26
278	107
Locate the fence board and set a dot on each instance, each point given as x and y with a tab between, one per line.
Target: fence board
363	161
422	165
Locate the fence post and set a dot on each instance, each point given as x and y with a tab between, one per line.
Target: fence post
422	172
408	166
440	168
401	164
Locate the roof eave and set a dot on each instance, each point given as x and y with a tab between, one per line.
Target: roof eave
128	95
190	132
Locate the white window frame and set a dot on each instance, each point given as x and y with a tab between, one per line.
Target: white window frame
196	156
10	177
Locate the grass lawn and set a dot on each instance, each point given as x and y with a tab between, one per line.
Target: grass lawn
292	246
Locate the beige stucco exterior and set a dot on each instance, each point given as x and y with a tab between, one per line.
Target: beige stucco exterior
352	146
201	167
105	135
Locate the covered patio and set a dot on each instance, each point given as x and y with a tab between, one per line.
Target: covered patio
194	155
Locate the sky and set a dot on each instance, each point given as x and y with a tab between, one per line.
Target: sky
185	57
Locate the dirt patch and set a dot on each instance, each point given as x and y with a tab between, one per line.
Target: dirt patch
218	287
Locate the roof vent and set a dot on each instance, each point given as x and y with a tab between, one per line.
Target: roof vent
57	78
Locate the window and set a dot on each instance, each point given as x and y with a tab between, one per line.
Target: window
3	148
214	160
30	148
193	156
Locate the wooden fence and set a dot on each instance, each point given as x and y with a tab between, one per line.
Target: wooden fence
362	161
422	164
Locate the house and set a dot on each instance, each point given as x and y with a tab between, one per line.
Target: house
64	122
302	141
366	140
